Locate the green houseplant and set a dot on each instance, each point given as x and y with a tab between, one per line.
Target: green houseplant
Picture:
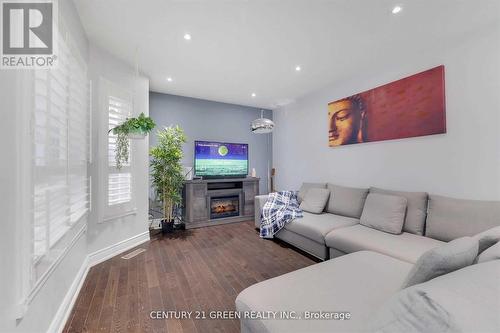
166	171
132	128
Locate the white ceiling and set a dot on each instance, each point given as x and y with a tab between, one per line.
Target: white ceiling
244	46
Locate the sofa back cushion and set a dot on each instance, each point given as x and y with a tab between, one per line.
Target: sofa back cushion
305	187
457	254
315	200
450	218
416	210
384	212
346	201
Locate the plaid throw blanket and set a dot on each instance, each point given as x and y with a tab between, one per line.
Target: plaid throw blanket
279	209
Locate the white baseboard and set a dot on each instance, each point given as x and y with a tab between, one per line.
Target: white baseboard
111	251
69	300
92	259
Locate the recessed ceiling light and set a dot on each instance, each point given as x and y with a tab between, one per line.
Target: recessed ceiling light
169	79
298	68
396	9
187	36
254	94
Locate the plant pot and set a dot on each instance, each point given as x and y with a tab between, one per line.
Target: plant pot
136	136
167	227
180	226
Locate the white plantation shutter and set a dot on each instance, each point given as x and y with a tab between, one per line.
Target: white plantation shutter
119	180
79	142
60	156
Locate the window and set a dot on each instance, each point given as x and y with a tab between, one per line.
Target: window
60	145
119	180
117	184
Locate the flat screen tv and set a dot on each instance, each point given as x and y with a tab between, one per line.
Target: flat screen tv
220	159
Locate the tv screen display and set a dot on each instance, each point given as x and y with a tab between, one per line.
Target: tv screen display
220	159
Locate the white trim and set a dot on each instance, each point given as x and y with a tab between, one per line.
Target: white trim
66	306
64	310
115	249
55	264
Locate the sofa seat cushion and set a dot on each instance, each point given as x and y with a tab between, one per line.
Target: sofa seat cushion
319	250
316	226
406	246
358	283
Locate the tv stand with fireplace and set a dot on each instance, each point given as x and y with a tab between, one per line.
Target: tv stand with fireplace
219	201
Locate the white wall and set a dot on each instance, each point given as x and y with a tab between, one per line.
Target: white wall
464	162
102	234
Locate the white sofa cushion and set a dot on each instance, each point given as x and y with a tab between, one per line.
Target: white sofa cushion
315	200
359	283
466	300
384	212
416	210
441	260
316	226
406	246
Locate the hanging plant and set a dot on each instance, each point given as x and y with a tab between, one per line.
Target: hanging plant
132	128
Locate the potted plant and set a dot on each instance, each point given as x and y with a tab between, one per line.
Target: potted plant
132	128
166	171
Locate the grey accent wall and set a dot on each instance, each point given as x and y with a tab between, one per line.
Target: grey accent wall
208	120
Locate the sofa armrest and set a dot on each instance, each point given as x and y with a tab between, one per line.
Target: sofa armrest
260	200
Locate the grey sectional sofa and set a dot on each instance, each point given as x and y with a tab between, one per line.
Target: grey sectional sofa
368	268
430	220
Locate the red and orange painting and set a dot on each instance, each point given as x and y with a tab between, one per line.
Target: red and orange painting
410	107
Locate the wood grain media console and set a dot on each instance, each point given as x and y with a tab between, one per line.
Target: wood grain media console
219	201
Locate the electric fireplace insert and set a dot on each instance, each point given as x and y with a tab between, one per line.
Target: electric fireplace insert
225	206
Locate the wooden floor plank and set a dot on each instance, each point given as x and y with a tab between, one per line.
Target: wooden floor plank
193	270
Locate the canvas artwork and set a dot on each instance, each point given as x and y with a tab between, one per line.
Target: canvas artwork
410	107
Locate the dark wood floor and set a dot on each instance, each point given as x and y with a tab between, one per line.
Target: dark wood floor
194	270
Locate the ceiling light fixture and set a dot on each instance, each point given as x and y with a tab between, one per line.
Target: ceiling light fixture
187	36
169	79
254	94
396	9
298	68
262	125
